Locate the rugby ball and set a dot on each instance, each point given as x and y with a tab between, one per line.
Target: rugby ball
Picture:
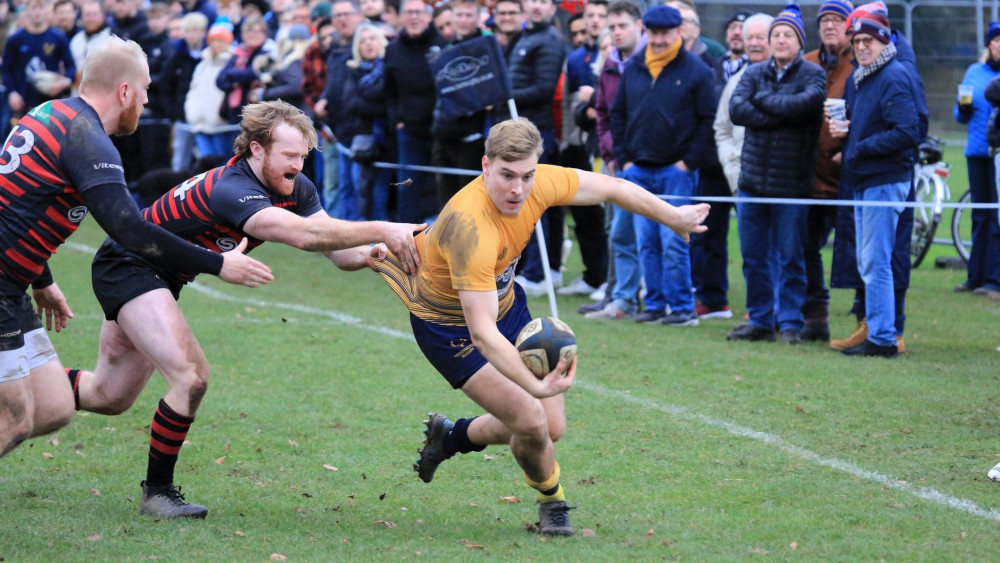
542	342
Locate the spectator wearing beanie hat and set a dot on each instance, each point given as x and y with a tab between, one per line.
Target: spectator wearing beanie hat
204	98
879	153
834	56
736	56
984	260
780	103
792	17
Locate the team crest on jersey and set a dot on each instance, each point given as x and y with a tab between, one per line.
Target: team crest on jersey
77	214
226	244
49	48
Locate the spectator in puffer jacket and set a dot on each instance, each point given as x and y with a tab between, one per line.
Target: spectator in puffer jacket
780	102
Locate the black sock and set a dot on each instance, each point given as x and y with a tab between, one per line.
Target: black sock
457	441
166	438
74	382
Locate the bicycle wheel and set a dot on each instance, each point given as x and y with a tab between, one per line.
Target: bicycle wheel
926	218
961	228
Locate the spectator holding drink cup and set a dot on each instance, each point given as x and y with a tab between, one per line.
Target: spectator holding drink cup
974	109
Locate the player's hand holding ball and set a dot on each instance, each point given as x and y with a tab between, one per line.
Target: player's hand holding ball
548	347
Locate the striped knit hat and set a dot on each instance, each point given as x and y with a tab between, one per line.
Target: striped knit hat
842	8
792	17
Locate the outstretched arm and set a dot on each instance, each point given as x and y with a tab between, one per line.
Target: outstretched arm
598	188
322	233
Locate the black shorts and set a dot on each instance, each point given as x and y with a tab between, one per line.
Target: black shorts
119	277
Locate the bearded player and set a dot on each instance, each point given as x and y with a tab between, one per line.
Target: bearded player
260	195
57	163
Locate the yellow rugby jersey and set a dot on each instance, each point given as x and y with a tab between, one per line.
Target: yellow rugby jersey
472	246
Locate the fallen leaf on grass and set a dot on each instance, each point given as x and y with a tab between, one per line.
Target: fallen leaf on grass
588	533
330	467
95	492
474	546
53	441
385	523
794	545
738	378
489	457
345	540
293	443
239	534
651	532
799	409
759	551
473	504
95	537
220	461
47	455
277	557
510	499
965	535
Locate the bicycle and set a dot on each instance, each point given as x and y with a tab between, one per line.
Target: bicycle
961	231
931	187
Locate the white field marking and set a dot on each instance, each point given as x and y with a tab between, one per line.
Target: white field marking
678	412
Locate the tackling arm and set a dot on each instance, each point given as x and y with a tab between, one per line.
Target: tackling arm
321	233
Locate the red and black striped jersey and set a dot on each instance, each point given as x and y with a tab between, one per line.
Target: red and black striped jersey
52	155
210	209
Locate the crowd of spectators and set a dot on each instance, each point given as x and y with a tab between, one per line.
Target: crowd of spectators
634	90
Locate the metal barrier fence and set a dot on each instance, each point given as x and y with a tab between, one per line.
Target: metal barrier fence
947	36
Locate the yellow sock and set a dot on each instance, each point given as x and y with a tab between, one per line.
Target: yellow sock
549	490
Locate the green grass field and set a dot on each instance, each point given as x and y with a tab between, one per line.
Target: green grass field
681	445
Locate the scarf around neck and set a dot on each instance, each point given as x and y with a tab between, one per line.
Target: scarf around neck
656	63
887	54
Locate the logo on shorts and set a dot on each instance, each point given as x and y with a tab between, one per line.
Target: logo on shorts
465	347
77	214
226	244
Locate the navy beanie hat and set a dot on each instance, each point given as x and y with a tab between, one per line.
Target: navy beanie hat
992	32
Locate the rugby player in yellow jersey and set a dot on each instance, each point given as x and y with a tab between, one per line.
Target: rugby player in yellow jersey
466	310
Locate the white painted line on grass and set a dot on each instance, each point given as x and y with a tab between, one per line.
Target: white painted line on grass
678	412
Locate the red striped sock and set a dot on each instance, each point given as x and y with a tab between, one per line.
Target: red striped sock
166	438
74	380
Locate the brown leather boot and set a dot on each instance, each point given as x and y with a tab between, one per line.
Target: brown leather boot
856	338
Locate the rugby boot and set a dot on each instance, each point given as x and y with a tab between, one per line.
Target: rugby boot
433	453
553	518
167	501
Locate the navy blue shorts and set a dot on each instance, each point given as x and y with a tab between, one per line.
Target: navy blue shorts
450	349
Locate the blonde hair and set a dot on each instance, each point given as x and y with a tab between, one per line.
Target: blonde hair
260	119
194	20
356	44
110	63
513	140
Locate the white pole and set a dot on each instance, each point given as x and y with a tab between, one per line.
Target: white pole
540	236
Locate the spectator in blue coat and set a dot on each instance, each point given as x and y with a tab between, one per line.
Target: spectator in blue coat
37	63
984	259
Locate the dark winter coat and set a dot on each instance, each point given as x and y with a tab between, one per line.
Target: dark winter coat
659	123
782	119
176	75
409	86
535	63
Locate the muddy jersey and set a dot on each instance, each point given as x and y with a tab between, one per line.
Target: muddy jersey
210	209
473	247
53	154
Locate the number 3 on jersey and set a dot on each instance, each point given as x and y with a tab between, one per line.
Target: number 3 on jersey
20	141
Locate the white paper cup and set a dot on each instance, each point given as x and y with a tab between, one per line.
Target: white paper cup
836	108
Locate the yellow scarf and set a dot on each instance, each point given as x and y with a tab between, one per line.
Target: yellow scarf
655	63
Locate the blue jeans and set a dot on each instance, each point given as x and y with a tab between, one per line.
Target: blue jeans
625	255
875	232
373	190
665	256
343	202
772	234
220	144
331	175
184	140
413	206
